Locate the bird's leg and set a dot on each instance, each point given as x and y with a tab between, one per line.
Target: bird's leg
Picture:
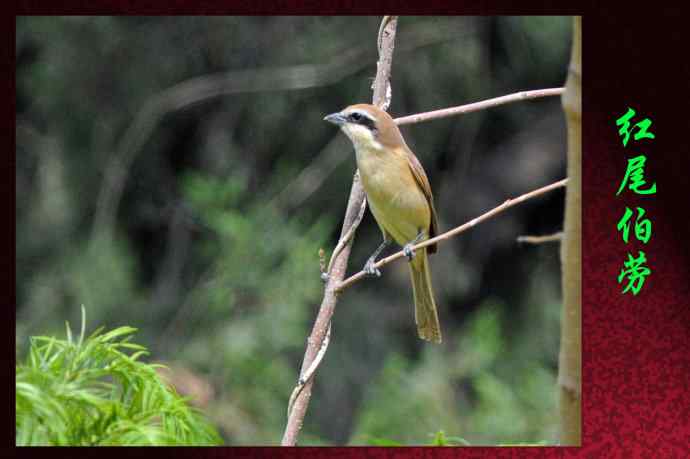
369	265
407	249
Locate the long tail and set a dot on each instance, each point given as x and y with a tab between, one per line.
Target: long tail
425	313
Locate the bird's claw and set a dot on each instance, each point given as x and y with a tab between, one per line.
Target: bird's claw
370	270
409	253
324	277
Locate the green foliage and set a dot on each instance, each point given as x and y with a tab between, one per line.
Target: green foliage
441	439
497	404
101	272
262	275
374	441
95	391
513	396
404	388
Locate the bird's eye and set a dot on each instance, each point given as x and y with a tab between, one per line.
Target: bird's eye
356	116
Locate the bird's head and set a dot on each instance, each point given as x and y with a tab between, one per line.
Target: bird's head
367	126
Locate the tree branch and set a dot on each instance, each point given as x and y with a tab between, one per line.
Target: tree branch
455	231
556	237
338	265
481	105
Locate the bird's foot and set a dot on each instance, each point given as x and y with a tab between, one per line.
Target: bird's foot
409	253
370	270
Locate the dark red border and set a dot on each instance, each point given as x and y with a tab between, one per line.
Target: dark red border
293	7
636	364
636	358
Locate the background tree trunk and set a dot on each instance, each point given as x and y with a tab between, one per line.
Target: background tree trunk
570	358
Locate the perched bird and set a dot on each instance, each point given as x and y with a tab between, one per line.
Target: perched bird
400	199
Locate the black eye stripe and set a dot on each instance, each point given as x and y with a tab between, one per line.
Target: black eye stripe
362	119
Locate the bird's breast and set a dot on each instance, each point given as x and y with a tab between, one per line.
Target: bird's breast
398	204
382	174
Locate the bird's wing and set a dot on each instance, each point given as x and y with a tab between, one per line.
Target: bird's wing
423	182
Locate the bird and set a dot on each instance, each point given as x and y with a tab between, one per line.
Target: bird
400	198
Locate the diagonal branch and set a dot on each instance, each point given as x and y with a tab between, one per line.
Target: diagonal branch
316	345
455	231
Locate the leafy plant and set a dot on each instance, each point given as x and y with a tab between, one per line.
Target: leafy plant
440	439
95	391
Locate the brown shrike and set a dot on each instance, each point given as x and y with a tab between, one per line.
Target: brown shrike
399	197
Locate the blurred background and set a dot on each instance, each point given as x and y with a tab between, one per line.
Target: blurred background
174	174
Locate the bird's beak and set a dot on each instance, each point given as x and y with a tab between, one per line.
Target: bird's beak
335	118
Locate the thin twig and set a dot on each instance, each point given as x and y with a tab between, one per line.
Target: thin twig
481	105
556	237
348	236
317	344
455	231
